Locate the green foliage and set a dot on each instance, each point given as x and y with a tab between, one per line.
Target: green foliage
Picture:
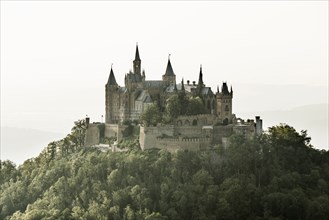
151	116
275	176
195	106
173	107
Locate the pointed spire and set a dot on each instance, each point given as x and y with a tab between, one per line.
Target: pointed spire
137	53
169	70
111	80
200	83
183	87
217	89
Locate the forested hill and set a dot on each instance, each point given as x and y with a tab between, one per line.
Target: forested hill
276	176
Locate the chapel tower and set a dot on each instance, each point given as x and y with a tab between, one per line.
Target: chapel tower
137	62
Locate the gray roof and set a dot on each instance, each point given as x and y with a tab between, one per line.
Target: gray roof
206	91
111	80
169	70
144	97
154	83
137	54
188	87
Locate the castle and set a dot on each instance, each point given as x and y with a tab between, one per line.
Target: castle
127	103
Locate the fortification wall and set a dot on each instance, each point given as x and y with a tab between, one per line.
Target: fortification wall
92	135
111	130
221	131
189	131
166	137
200	120
173	144
247	130
114	130
148	135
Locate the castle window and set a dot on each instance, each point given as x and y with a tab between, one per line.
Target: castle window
226	108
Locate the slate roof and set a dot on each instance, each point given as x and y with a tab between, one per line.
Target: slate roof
169	70
145	97
137	54
206	91
154	83
111	80
188	87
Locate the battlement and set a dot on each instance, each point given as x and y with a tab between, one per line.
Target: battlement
183	139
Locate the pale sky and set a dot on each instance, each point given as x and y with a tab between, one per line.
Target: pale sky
56	55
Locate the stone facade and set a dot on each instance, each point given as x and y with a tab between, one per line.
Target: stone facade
195	132
129	101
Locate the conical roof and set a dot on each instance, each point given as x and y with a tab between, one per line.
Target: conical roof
169	70
200	77
112	80
137	54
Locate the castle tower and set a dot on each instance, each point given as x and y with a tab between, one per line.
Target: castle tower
111	99
200	82
137	62
224	104
169	77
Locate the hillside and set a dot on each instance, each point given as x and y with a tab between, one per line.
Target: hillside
276	176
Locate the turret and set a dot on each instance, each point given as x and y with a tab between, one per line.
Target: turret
200	83
111	81
224	104
111	88
169	75
137	62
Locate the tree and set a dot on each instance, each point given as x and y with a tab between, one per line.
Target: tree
195	106
173	107
78	132
151	116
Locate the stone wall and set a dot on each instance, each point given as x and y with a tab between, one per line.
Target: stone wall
173	138
114	130
199	120
92	135
221	131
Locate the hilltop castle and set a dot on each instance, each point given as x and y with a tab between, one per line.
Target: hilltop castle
128	102
195	132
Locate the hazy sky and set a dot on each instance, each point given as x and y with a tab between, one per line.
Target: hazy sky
56	56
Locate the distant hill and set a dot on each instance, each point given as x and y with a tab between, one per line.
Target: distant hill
313	118
19	144
276	177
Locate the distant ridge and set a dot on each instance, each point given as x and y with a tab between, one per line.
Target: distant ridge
19	144
313	118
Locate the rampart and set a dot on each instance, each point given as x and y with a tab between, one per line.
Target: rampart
196	120
92	135
163	137
97	131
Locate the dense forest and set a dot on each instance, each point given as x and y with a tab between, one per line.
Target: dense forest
278	175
